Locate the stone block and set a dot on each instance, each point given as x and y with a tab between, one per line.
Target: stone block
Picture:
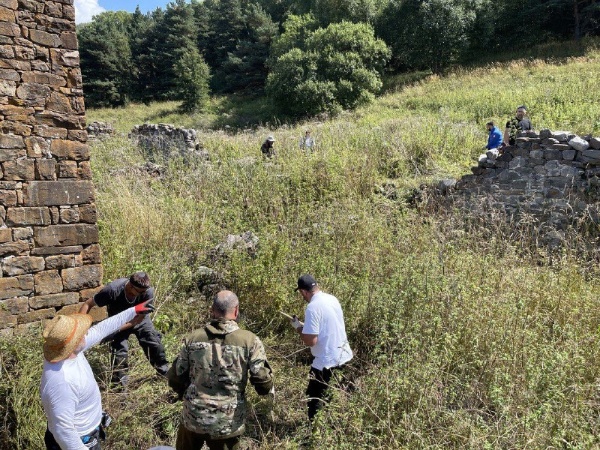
54	300
87	294
10	4
45	169
10	141
9	74
85	170
591	155
47	282
536	154
97	314
33	93
50	132
22	233
68	169
595	143
44	78
559	147
64	57
8	198
21	265
8	88
78	135
28	216
59	103
92	254
16	286
70	150
84	277
69	215
51	251
561	136
21	169
60	262
18	305
569	155
5	235
14	248
66	235
43	38
55	193
7	51
552	154
517	162
11	154
37	315
88	214
54	213
68	40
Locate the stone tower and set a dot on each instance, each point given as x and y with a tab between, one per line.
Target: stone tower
49	252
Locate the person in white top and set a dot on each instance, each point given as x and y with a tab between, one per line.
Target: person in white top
307	142
70	394
324	332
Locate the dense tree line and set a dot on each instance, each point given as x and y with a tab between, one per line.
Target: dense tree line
307	55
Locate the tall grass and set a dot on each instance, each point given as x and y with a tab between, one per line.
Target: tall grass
467	334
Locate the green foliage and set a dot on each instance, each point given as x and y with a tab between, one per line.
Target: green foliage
194	75
336	68
106	59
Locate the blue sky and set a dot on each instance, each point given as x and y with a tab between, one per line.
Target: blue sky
86	9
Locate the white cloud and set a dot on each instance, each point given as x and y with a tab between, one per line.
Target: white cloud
86	9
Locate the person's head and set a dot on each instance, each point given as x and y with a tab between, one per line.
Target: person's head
64	334
270	140
137	285
307	133
521	112
225	306
307	286
490	125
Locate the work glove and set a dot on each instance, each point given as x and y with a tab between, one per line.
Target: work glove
144	308
296	323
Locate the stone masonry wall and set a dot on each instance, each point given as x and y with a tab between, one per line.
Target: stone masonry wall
49	252
549	176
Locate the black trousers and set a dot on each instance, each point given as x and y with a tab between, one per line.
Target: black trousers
93	441
150	342
318	387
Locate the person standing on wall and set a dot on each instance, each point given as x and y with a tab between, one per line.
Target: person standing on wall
324	332
117	296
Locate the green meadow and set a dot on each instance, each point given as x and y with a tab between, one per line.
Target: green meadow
466	334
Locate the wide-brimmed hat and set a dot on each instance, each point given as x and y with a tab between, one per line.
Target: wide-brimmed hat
63	334
270	139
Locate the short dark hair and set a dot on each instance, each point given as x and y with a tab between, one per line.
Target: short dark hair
491	122
140	280
522	107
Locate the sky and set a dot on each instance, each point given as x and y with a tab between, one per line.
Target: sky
86	9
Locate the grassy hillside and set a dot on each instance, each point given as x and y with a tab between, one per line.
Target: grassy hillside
465	337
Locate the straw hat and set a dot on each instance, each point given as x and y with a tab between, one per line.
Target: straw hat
63	334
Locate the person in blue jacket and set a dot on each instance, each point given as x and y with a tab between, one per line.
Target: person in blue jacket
495	137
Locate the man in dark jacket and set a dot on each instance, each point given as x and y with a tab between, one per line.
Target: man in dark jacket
117	296
515	125
211	373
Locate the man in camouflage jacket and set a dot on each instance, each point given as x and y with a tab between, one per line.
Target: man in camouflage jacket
211	373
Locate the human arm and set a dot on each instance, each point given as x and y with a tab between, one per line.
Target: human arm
59	402
261	375
107	327
87	305
178	375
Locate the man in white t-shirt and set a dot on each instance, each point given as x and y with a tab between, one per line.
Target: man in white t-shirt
70	394
324	332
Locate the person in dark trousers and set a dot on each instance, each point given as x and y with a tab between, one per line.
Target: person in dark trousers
267	148
210	375
324	332
515	125
117	296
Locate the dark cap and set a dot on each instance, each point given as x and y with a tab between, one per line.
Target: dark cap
306	282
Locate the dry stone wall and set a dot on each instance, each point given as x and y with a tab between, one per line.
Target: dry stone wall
550	175
49	252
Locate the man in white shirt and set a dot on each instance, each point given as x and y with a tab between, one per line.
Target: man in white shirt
70	394
324	332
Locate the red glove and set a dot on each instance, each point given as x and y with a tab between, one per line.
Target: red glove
144	308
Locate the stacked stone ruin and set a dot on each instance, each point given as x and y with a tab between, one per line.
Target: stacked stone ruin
548	175
161	142
49	252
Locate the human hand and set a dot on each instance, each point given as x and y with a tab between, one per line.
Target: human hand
296	322
144	308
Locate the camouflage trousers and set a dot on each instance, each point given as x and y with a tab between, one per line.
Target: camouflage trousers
188	440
